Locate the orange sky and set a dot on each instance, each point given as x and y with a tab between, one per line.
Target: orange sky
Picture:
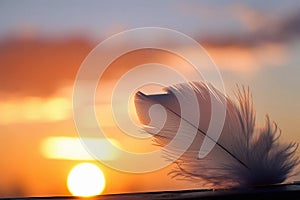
36	88
253	44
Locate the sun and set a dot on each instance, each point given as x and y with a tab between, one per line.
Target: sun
85	180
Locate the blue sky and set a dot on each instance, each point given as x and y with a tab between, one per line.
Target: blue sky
98	18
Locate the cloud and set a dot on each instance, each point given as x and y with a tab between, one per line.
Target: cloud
244	23
264	27
38	67
245	59
240	16
290	27
250	18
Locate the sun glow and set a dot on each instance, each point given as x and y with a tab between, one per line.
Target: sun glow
34	109
71	148
86	180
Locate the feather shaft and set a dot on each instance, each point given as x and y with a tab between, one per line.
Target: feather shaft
199	130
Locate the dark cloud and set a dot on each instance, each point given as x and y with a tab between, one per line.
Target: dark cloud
281	30
290	28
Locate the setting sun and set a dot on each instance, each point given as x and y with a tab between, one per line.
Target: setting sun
85	180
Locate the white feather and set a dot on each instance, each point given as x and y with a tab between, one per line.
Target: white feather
244	155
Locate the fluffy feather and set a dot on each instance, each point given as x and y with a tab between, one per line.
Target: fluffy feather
243	155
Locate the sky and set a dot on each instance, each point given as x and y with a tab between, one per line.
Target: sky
43	44
98	18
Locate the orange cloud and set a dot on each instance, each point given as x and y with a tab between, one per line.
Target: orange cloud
33	67
244	59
